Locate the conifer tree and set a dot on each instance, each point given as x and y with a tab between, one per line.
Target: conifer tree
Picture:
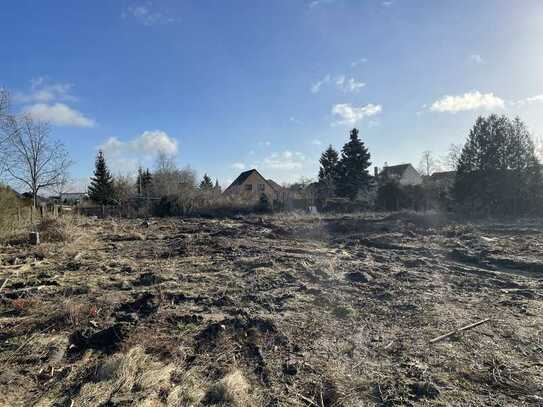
353	175
206	184
143	181
217	188
498	172
329	166
328	174
101	188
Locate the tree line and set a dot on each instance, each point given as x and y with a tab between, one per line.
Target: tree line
166	180
495	172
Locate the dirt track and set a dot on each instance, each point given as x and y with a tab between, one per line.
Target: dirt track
335	311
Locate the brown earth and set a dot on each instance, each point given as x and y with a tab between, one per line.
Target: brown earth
293	311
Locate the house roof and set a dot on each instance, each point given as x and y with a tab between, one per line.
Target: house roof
274	185
443	175
73	193
242	177
395	170
246	174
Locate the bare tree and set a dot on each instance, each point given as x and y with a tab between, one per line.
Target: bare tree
61	186
428	163
170	180
7	128
33	159
453	156
123	187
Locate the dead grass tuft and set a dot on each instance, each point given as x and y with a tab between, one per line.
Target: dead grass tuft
58	230
122	375
232	390
190	391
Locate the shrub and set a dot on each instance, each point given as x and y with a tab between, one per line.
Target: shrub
264	204
344	205
9	203
58	230
202	205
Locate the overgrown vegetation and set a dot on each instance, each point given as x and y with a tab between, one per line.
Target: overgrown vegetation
10	205
498	172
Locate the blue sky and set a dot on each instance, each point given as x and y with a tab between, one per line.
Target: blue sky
232	85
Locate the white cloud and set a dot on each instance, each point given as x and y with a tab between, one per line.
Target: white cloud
295	120
58	114
467	101
264	143
45	99
316	3
146	14
359	62
316	87
349	114
146	145
476	59
528	101
238	166
341	82
287	160
348	85
42	91
316	142
387	3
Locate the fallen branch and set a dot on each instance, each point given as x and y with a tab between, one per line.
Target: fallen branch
5	283
464	328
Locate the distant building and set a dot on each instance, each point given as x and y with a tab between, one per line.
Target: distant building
443	178
72	197
404	174
250	185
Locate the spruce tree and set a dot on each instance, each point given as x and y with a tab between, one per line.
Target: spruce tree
353	175
328	174
217	188
329	166
498	172
101	188
143	181
206	184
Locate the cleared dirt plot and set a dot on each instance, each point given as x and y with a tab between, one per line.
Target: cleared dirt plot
273	311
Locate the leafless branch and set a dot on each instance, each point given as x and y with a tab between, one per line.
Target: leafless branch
33	160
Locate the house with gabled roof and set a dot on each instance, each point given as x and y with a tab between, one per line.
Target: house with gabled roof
445	178
404	174
250	185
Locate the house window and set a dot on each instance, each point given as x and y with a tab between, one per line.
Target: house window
261	187
249	187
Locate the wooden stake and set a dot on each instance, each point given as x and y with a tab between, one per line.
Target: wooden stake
464	328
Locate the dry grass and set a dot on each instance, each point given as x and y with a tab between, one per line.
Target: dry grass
231	390
244	312
55	230
124	374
